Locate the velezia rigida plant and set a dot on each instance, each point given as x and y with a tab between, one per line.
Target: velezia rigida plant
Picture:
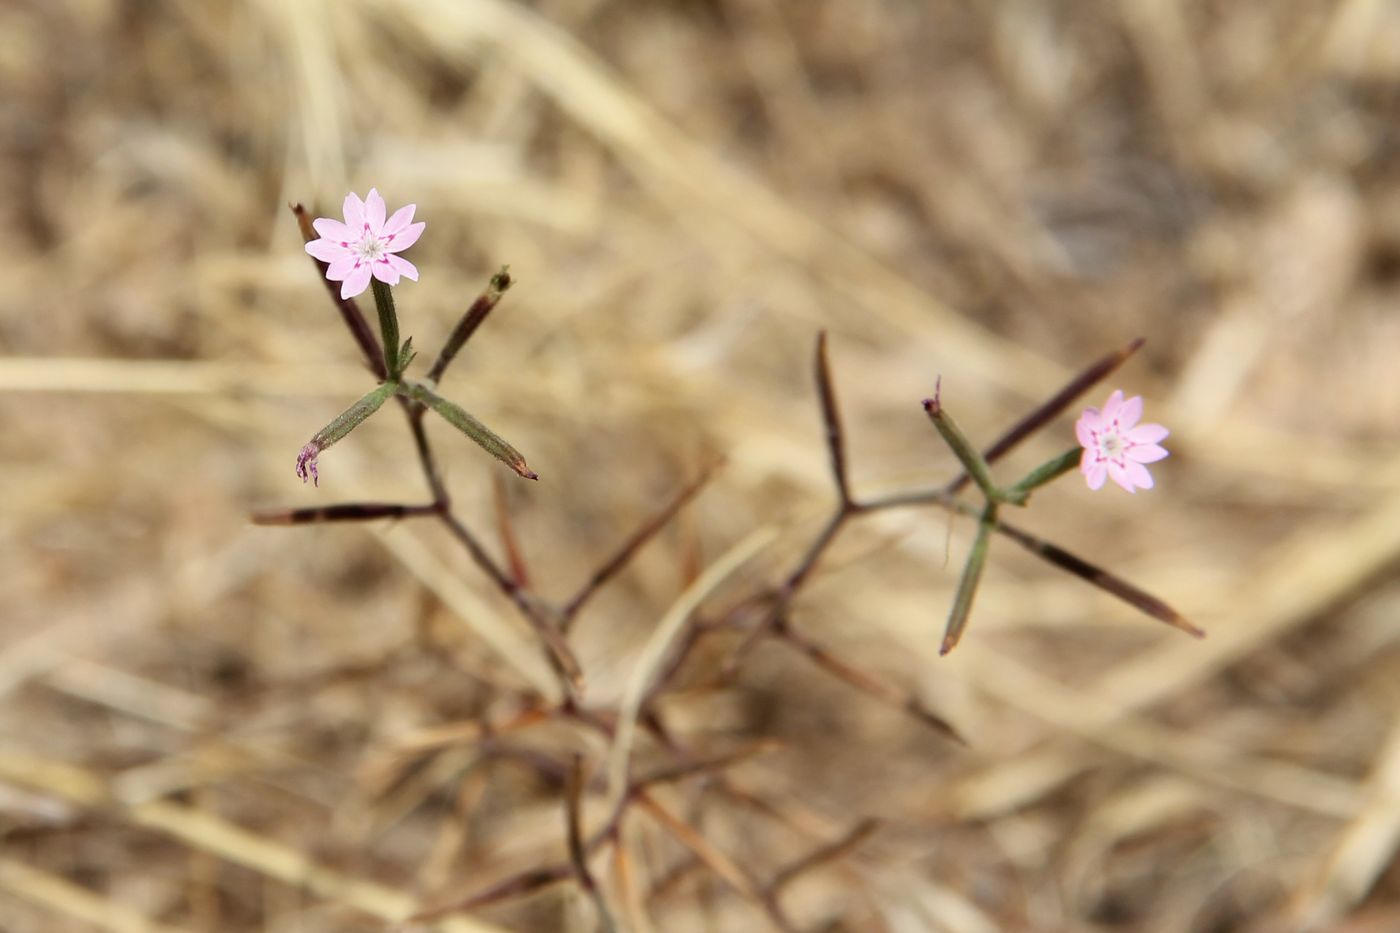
361	252
1111	444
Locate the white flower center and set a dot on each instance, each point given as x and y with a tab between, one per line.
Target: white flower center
370	248
1112	445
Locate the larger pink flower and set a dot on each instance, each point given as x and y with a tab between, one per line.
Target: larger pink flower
1116	446
366	244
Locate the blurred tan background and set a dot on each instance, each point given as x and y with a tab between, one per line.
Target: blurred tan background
196	713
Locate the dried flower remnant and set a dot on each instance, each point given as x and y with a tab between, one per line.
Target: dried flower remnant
1115	446
306	464
366	244
344	423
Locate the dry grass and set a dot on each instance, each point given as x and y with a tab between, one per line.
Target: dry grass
207	725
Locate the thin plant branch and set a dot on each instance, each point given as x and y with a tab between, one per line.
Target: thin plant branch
869	685
837	849
578	855
345	512
1111	583
476	314
634	543
505	527
349	310
831	418
559	652
715	860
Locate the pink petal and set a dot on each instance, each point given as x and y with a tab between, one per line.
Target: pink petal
1130	413
384	272
399	219
326	250
354	210
335	230
1137	475
1147	434
1119	474
1095	475
340	270
402	266
374	211
405	238
1146	453
1086	425
356	282
1110	408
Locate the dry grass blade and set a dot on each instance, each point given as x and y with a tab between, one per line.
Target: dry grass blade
624	875
206	832
176	377
1081	712
653	655
63	897
730	199
1364	850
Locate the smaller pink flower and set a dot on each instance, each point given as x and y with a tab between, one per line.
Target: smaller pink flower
1116	446
365	244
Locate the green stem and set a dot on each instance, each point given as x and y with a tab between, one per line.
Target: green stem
388	327
971	576
1047	471
463	421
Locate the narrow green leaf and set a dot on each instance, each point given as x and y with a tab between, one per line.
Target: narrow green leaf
971	577
967	454
463	421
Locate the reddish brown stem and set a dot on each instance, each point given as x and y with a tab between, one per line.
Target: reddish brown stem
349	310
344	512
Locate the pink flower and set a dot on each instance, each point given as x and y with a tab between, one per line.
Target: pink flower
366	243
1116	446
